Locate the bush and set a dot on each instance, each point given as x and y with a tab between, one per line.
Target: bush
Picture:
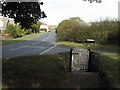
67	30
18	31
23	32
14	31
104	31
28	31
11	30
35	28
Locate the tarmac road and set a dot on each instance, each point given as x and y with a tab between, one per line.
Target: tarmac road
44	44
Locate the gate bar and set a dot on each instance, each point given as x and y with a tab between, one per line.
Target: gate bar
71	59
89	61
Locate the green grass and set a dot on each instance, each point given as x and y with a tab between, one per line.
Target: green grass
38	71
111	67
20	39
15	41
38	33
41	71
110	62
106	48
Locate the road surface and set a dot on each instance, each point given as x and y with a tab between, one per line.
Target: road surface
44	44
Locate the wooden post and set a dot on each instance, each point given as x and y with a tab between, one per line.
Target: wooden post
89	61
71	58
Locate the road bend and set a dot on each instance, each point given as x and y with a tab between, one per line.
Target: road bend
43	44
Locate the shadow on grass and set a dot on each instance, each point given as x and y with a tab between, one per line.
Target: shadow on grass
39	71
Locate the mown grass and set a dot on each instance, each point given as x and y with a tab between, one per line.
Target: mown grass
98	47
15	41
38	71
5	42
111	67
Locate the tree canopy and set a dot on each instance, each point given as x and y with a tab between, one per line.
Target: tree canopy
67	28
24	13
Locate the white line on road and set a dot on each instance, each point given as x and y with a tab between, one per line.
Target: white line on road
47	37
35	43
18	48
48	49
42	40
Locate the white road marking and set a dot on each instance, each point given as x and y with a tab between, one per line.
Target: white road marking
18	48
35	43
48	49
47	37
42	40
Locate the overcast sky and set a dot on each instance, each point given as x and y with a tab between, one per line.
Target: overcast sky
58	10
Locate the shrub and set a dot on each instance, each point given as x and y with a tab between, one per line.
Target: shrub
104	31
14	31
67	30
35	28
28	31
23	32
18	31
11	30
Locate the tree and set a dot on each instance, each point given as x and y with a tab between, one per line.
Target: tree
68	29
24	13
91	1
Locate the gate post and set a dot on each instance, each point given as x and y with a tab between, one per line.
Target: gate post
71	59
89	61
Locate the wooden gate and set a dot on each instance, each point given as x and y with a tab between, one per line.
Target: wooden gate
79	59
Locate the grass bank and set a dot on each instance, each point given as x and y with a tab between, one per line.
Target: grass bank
110	61
5	42
104	48
42	71
111	69
38	71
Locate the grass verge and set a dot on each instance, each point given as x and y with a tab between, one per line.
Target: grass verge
38	71
5	42
111	67
104	48
110	61
42	71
